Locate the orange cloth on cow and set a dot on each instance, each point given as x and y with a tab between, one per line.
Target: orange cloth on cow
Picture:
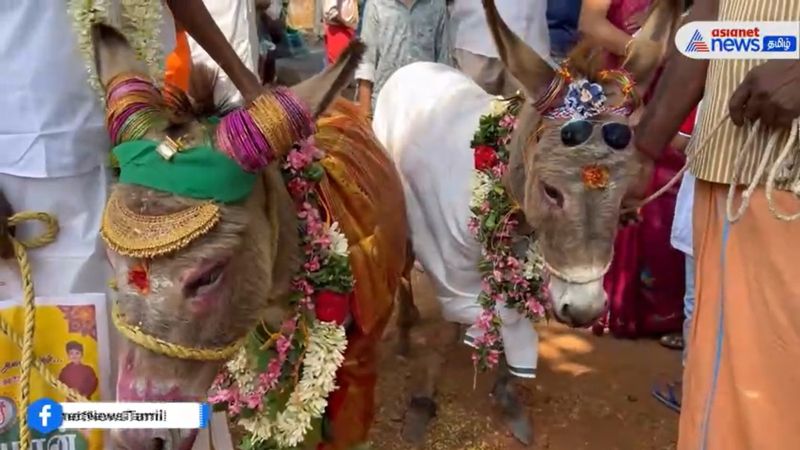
179	62
363	193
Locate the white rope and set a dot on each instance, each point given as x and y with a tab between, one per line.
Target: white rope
738	165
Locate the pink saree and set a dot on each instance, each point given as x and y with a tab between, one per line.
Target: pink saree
646	280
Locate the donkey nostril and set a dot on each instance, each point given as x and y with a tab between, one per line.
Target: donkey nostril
565	310
158	444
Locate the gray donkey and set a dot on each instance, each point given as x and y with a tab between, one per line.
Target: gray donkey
426	116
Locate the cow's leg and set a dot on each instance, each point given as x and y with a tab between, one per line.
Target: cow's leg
512	409
422	406
407	314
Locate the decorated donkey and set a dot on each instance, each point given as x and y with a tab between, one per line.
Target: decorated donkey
260	240
527	218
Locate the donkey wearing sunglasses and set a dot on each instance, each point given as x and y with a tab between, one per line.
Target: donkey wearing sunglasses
426	116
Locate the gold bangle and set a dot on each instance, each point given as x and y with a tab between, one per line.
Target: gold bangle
628	47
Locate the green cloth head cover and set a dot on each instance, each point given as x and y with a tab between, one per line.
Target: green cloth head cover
201	172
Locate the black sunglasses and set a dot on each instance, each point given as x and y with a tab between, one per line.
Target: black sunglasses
577	132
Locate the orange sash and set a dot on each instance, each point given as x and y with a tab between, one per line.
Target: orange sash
178	65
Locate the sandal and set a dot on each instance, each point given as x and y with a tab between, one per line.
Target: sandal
666	394
672	341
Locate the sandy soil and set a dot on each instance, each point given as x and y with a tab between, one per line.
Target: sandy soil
591	393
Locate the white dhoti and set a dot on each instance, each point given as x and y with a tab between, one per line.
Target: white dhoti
426	116
237	21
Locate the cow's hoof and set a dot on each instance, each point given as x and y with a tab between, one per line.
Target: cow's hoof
421	411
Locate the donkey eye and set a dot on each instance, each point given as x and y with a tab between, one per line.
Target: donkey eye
576	132
553	195
616	135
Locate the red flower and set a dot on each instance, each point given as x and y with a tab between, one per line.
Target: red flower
485	157
137	277
332	306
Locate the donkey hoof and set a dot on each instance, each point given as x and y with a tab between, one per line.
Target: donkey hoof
420	412
521	429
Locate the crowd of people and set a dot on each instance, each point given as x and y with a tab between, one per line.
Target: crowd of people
723	292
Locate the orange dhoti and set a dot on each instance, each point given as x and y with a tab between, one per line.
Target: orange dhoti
744	347
363	193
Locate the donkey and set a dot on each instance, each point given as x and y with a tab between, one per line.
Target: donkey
222	285
426	116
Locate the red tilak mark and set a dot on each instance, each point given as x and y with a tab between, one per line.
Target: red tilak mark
139	279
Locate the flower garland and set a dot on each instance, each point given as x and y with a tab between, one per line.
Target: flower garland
507	280
141	22
277	387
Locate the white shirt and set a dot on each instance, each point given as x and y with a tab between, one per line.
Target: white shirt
526	18
237	21
51	121
681	234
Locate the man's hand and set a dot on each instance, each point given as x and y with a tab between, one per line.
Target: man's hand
770	93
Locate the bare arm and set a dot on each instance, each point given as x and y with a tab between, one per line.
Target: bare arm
594	24
365	74
680	88
195	18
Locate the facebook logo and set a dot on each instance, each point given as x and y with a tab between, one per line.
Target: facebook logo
45	415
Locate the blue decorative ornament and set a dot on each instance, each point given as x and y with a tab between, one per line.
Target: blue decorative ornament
585	99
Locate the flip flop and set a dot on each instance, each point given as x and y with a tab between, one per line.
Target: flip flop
666	395
672	341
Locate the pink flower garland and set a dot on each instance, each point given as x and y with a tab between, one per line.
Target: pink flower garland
302	173
494	224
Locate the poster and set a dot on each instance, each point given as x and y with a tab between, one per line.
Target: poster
71	339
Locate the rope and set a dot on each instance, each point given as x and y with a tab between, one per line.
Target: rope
157	345
25	342
737	169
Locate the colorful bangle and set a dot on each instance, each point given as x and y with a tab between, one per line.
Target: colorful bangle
269	128
133	107
627	86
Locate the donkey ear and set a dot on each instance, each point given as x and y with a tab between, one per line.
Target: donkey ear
113	54
319	91
651	42
527	66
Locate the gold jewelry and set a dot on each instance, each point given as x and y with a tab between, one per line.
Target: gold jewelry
141	236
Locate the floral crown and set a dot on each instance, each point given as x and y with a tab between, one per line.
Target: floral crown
585	99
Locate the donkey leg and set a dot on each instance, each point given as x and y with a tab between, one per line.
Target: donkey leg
407	314
512	409
422	406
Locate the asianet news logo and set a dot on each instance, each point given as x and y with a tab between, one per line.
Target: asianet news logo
739	40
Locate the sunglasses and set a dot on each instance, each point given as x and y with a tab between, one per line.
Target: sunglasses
577	132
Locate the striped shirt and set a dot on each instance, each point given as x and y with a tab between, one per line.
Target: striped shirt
715	162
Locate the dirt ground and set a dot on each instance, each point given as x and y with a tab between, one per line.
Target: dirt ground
590	394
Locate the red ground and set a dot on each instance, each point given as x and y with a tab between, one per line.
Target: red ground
591	393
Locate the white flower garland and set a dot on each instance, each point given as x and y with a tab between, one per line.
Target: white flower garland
324	355
141	22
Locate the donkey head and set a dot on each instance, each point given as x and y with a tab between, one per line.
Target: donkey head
231	259
571	161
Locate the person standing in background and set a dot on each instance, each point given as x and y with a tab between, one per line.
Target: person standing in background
237	20
341	20
562	23
398	33
744	343
474	49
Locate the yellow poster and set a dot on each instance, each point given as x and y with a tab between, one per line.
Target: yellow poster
70	337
